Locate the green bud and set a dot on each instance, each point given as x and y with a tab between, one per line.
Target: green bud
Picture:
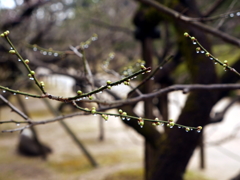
79	92
193	38
12	51
27	61
94	37
105	117
90	97
42	83
171	123
186	34
143	67
109	87
32	72
109	82
141	123
6	33
120	111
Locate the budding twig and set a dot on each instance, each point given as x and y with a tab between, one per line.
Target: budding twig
210	56
80	95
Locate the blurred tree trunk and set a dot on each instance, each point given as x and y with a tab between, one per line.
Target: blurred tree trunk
148	105
167	160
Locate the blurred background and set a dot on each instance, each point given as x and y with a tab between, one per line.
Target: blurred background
118	37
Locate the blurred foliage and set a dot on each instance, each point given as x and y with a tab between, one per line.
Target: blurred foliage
69	22
59	24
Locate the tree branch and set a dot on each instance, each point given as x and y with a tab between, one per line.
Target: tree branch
218	116
191	21
179	87
15	109
214	7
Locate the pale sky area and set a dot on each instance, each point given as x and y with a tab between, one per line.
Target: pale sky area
7	4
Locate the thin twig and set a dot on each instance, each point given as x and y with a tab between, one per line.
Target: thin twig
214	7
15	109
160	66
179	87
229	9
176	15
210	56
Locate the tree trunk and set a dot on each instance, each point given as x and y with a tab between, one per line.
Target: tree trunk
148	105
167	160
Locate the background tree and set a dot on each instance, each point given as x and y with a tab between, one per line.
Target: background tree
166	152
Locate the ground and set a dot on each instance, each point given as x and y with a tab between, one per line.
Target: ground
119	155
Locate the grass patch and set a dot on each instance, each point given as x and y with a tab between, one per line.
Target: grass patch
137	174
117	157
190	175
78	165
129	174
73	165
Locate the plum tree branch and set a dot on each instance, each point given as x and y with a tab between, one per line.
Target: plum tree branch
184	88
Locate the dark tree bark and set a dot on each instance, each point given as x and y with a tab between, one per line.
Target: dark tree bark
168	158
177	146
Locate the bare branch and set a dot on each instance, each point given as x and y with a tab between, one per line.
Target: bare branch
191	21
218	116
214	7
229	9
15	109
179	87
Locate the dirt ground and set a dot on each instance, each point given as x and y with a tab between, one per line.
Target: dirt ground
121	149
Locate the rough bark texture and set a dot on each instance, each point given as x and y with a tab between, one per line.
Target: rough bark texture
177	146
168	158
